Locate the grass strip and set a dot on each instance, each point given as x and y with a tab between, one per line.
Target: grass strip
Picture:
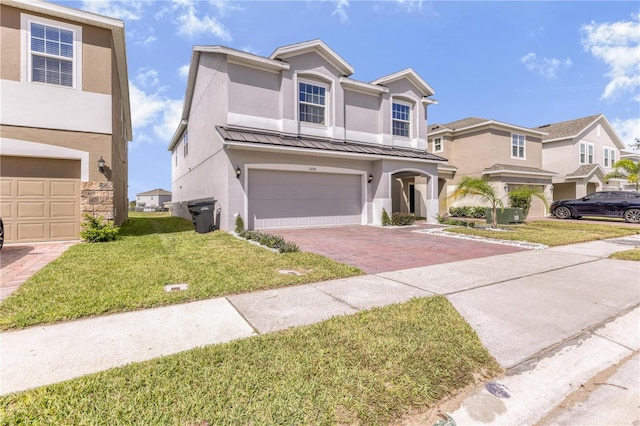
627	255
368	368
551	233
153	251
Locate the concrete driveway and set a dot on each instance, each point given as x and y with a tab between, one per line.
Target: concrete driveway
376	249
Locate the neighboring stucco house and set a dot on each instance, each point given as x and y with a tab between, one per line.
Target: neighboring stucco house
65	106
290	140
581	152
506	155
155	198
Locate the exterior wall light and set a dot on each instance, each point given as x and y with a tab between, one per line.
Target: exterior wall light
370	178
506	187
238	172
101	164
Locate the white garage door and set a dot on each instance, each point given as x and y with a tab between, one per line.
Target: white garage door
40	199
281	199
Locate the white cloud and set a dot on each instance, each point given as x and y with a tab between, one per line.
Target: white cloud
147	41
224	6
410	5
183	71
167	123
628	129
341	10
547	67
147	77
617	45
129	10
191	21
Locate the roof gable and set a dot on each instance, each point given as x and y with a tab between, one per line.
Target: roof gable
567	129
408	74
317	46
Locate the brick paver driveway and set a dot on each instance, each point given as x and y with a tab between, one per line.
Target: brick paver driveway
375	249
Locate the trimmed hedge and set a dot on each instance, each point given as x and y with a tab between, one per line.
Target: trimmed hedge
269	240
402	219
478	212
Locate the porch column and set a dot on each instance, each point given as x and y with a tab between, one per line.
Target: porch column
432	202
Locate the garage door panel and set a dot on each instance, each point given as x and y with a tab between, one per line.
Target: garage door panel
6	188
60	230
31	188
6	211
279	199
63	189
59	209
31	209
31	231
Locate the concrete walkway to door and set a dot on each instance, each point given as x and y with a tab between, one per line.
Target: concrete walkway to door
377	249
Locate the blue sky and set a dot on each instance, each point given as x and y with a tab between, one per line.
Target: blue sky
525	63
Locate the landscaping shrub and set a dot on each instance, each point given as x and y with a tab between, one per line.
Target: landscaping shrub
520	200
239	224
97	230
269	240
446	220
402	219
386	220
478	212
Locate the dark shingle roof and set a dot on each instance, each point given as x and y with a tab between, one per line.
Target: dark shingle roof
497	168
459	124
275	139
155	192
584	170
566	129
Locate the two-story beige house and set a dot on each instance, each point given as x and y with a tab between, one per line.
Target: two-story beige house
291	140
506	155
65	107
581	152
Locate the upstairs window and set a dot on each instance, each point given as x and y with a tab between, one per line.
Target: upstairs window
401	119
609	157
52	54
312	103
437	145
586	153
185	143
517	146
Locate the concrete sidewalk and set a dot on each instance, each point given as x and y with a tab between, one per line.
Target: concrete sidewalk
520	304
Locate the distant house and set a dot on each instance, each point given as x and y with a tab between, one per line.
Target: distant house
290	140
65	106
156	198
581	152
507	155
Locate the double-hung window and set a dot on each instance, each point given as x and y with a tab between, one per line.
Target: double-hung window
517	146
312	103
401	119
437	145
185	143
52	54
586	153
609	156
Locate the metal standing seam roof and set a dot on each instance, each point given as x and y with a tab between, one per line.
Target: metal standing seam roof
235	135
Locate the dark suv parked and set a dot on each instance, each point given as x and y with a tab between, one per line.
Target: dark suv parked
623	204
1	233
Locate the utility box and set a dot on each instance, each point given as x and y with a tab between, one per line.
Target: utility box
202	215
506	216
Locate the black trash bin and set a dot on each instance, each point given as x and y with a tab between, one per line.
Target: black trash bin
202	215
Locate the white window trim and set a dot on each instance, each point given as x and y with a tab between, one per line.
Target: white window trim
327	101
586	145
185	143
524	147
411	118
25	49
611	157
441	145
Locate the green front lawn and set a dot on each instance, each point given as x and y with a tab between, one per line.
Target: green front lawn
369	368
551	233
155	250
627	255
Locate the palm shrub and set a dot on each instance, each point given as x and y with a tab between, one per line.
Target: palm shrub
97	230
479	188
239	225
630	171
521	198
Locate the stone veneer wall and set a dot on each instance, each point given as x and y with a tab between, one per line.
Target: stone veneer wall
96	198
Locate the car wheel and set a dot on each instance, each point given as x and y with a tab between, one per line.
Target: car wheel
1	234
562	212
632	216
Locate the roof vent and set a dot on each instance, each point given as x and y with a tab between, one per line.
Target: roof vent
546	125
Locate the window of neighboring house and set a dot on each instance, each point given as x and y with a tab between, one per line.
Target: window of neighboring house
586	153
185	142
312	103
51	54
401	119
517	146
609	156
437	145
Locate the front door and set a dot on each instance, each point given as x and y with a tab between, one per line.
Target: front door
412	198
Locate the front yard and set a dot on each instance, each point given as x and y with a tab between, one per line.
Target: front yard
154	251
370	368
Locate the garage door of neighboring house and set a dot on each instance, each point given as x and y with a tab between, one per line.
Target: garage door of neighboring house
281	199
40	199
